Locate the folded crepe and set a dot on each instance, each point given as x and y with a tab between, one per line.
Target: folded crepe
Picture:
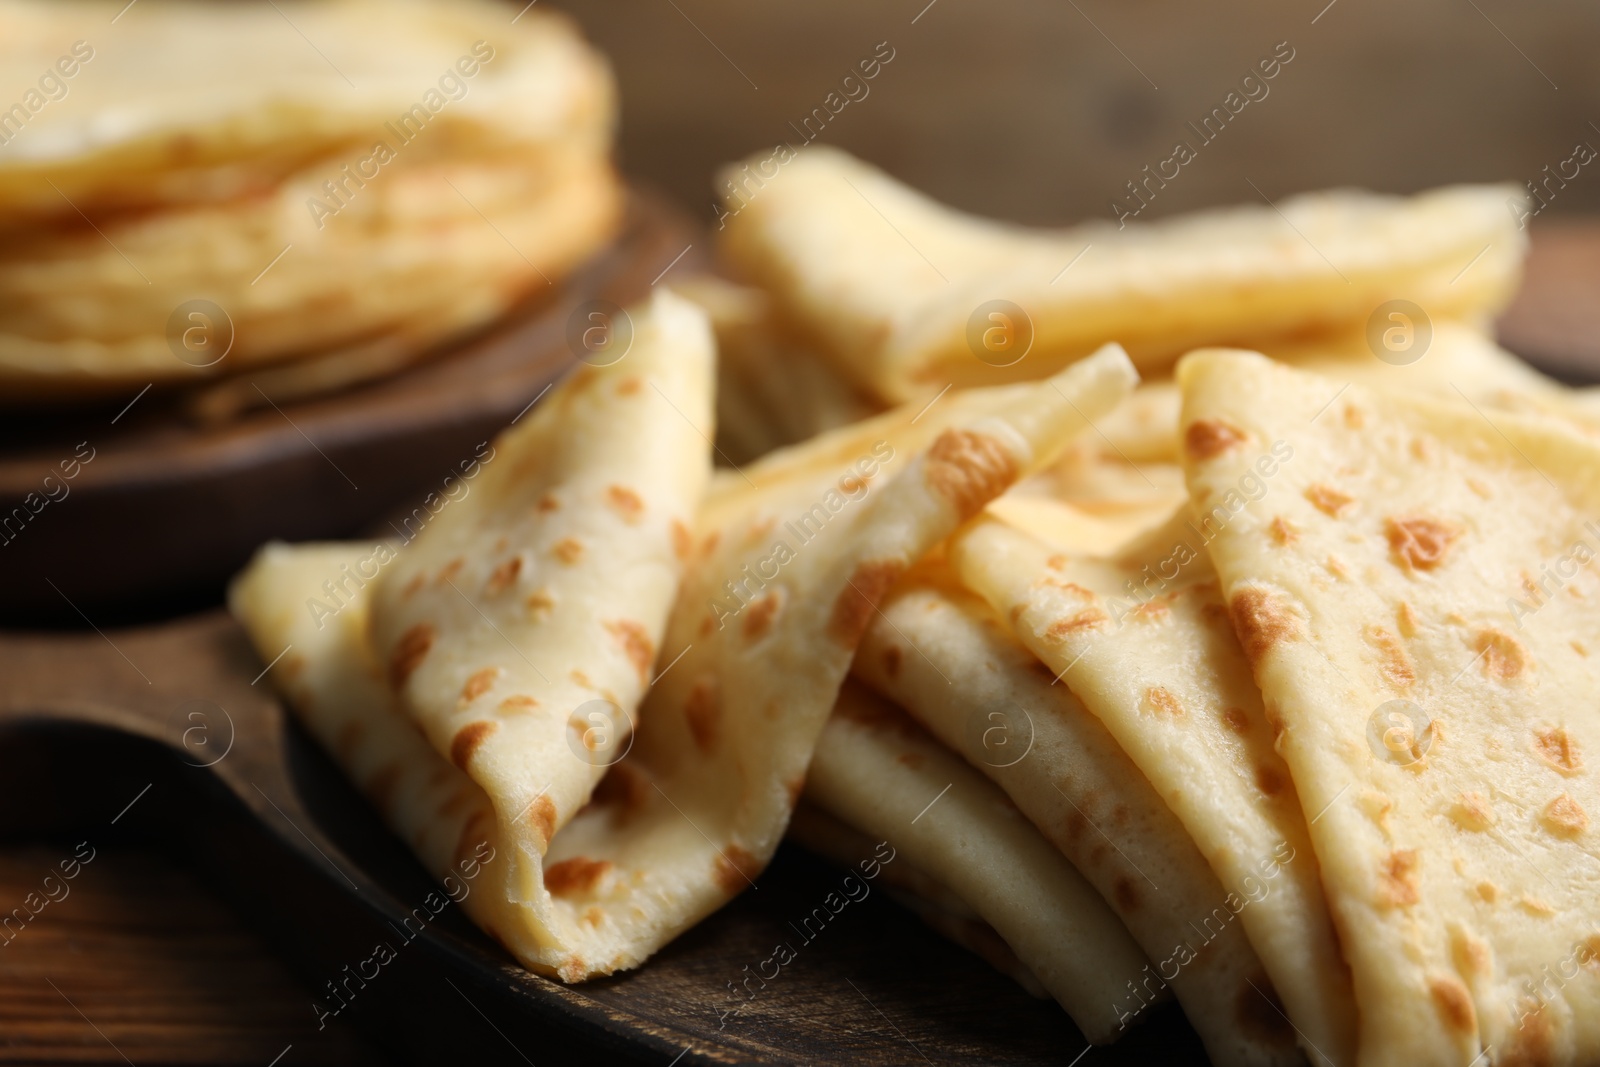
877	771
518	636
938	651
1415	598
900	290
1141	636
479	685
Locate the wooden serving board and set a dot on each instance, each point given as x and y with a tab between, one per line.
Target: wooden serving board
167	735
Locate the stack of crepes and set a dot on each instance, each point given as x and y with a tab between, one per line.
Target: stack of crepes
1266	687
316	193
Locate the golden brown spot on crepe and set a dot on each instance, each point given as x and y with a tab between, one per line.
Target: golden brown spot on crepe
1565	816
1454	1003
759	529
1155	608
517	703
1056	562
702	709
636	644
450	570
1237	720
1328	500
580	679
969	469
1210	438
410	588
853	609
625	502
735	868
1559	750
409	651
467	740
1471	952
1532	1043
1589	952
1163	700
1397	879
501	577
1394	665
1503	657
1070	587
1336	567
575	877
477	685
1125	893
568	550
1480	488
1419	542
709	545
540	603
1077	825
542	817
1406	619
1087	619
548	503
682	541
1471	811
1488	892
760	613
1260	621
794	787
891	660
1283	531
1536	905
1270	780
1353	417
629	385
1260	1014
593	915
1577	646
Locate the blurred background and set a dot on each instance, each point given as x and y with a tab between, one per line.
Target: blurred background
1042	112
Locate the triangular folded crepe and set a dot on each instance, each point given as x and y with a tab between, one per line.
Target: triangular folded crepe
793	556
506	673
899	288
1142	638
533	599
881	773
938	651
1416	600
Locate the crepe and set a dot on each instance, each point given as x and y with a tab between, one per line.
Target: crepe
772	388
1415	601
792	556
186	102
1141	637
938	651
516	633
200	190
901	291
410	263
878	771
525	673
